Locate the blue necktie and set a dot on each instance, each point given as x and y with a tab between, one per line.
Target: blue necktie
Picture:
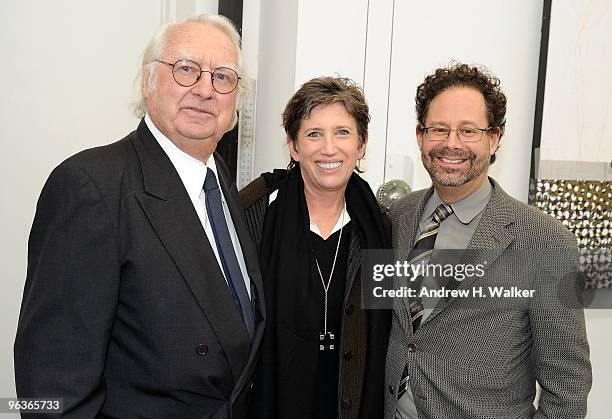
229	260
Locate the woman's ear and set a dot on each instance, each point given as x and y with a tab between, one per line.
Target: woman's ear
362	147
292	146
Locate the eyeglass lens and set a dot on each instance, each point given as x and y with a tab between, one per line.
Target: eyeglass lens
465	134
187	73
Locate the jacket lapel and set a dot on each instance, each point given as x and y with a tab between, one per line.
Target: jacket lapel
491	238
171	213
408	227
246	244
409	223
251	260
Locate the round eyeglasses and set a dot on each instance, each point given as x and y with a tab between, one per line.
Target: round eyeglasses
187	73
465	134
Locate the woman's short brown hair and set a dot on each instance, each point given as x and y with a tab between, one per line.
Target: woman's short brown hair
326	91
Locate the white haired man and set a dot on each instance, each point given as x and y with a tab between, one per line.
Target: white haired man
143	294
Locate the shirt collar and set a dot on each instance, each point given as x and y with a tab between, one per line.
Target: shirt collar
466	209
343	220
191	170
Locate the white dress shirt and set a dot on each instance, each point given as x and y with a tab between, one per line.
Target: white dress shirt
192	173
343	219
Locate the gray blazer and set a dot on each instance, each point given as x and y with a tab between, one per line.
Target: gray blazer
483	362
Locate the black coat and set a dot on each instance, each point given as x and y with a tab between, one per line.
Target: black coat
364	338
125	311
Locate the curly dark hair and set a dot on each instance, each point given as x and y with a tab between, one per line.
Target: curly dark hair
326	91
463	75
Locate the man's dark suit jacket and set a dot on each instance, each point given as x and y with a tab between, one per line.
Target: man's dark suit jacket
125	311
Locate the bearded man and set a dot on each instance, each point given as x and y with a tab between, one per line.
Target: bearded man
480	357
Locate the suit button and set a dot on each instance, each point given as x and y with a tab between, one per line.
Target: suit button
349	309
201	349
347	404
412	347
348	355
391	389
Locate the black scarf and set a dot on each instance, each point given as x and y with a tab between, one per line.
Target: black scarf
287	370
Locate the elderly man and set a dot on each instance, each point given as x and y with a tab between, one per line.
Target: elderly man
143	295
452	356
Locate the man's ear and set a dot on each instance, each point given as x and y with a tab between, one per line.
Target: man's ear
144	84
419	137
292	146
493	141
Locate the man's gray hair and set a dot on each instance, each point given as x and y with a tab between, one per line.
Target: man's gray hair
156	47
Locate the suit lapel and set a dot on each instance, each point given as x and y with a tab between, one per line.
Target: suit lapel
171	213
409	223
491	238
248	249
251	260
408	227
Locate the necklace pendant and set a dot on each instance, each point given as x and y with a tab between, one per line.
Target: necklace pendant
327	341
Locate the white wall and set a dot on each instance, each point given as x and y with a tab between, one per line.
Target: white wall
331	39
275	78
599	325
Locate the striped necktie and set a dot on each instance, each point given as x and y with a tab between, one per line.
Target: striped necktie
423	249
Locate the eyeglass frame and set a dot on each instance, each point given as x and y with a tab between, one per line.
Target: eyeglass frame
199	77
482	131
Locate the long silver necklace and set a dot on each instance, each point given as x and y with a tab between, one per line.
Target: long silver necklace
327	339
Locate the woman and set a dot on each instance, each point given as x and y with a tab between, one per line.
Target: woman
323	355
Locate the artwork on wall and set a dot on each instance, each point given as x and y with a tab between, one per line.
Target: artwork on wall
584	207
